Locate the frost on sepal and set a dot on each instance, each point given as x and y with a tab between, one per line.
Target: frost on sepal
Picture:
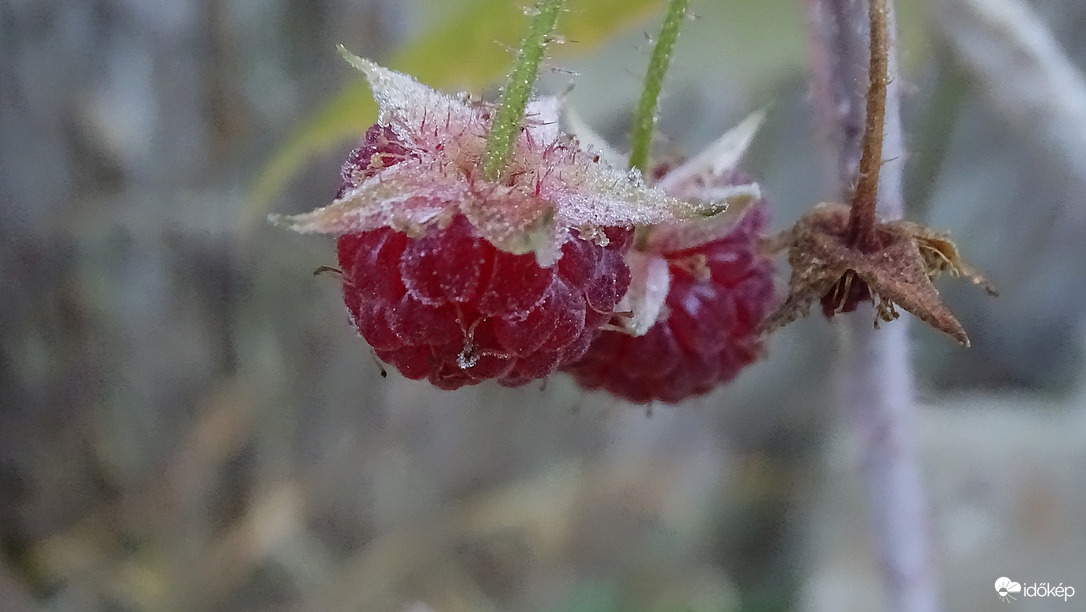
673	237
650	281
685	180
551	188
405	197
406	104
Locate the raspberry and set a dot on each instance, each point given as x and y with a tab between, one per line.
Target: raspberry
450	307
709	333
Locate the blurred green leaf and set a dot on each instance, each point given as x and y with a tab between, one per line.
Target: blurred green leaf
469	51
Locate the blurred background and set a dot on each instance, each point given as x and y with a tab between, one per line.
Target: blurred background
188	423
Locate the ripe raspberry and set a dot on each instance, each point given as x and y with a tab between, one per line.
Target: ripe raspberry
709	333
450	307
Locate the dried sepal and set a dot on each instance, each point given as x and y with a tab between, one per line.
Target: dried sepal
899	273
843	255
941	256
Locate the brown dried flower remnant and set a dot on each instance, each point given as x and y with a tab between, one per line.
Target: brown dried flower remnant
826	268
843	255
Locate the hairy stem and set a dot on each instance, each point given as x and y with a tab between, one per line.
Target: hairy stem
505	125
644	123
875	373
864	199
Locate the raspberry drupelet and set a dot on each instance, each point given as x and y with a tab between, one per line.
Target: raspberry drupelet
719	293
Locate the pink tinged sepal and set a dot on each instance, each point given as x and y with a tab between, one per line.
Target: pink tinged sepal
701	178
406	197
551	185
688	179
413	110
673	237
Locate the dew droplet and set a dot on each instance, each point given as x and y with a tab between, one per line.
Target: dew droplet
467	358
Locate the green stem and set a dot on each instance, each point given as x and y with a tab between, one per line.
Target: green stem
505	126
645	119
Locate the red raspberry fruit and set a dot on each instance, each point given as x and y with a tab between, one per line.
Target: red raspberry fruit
450	307
709	333
503	277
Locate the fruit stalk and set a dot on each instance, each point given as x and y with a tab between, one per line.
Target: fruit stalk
864	200
644	123
505	125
